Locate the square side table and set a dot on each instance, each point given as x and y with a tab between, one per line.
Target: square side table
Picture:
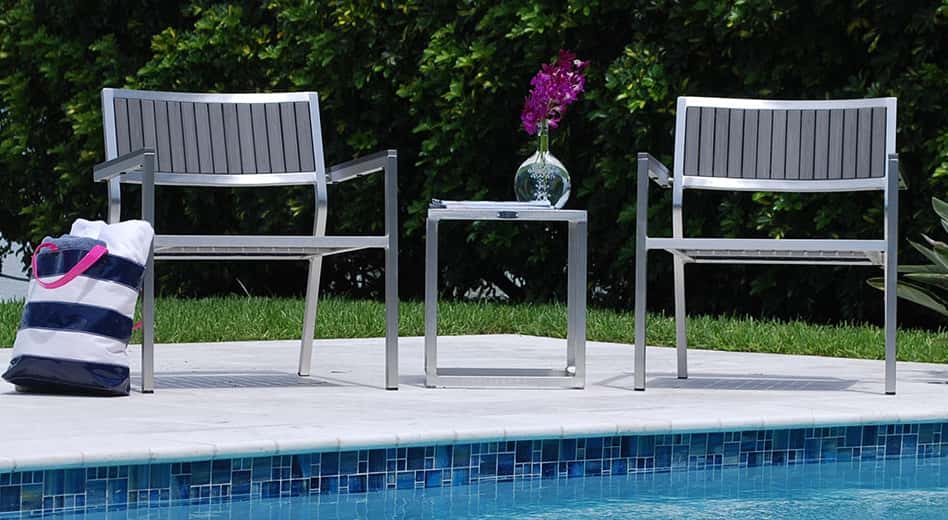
574	374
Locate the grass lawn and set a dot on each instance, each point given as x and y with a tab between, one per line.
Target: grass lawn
234	318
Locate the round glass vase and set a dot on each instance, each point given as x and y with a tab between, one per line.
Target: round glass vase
542	176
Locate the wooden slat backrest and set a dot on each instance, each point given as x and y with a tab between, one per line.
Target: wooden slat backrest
757	140
216	133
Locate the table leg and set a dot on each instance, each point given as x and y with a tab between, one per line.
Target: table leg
431	303
576	303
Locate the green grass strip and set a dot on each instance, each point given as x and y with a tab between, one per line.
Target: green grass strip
238	319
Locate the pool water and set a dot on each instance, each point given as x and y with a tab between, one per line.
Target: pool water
888	489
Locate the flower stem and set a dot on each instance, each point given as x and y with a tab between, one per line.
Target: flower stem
544	138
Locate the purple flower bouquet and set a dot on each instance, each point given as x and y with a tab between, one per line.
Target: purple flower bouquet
554	88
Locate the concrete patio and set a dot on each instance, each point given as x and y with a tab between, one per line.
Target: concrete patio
233	399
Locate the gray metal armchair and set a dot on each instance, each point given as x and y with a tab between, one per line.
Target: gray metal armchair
240	140
788	146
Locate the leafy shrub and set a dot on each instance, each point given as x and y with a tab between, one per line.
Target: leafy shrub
926	284
443	83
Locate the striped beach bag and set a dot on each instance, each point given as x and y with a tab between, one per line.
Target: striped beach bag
80	308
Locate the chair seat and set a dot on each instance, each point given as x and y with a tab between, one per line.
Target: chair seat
771	251
258	247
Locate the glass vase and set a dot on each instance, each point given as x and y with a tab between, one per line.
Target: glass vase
542	176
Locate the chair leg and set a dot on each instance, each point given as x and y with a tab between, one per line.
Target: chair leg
641	256
891	268
640	338
148	326
681	339
148	297
391	319
309	315
890	299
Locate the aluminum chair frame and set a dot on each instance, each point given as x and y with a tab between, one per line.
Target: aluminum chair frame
744	251
140	166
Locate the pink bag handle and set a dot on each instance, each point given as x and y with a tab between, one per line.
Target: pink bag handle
82	266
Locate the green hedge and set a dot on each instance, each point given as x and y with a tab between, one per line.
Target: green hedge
444	85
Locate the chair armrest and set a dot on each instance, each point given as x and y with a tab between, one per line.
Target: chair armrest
384	161
132	161
657	171
648	168
903	184
359	167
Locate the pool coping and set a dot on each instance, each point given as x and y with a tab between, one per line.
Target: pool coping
265	448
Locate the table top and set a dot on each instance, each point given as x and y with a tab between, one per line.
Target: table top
507	213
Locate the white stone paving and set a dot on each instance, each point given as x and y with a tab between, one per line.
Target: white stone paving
230	399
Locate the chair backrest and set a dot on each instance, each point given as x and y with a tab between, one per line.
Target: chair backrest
763	145
223	134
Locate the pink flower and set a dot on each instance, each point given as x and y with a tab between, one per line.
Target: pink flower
553	89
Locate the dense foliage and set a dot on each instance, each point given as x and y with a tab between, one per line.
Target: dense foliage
443	82
926	284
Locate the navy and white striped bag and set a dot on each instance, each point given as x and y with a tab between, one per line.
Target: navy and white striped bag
80	309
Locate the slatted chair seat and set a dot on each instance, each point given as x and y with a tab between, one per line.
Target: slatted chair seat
765	251
205	247
237	141
777	146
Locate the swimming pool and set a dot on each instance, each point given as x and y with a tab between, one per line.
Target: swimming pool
886	488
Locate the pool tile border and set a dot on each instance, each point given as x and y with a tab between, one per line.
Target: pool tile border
158	484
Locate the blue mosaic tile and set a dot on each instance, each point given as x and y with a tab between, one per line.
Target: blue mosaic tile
416	458
328	484
329	464
118	491
593	468
461	456
594	448
909	443
405	480
376	461
567	449
96	492
893	446
181	489
240	482
524	451
505	464
53	483
488	464
376	481
460	477
139	477
663	456
348	462
220	471
261	468
200	473
31	496
115	488
9	498
271	489
300	487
